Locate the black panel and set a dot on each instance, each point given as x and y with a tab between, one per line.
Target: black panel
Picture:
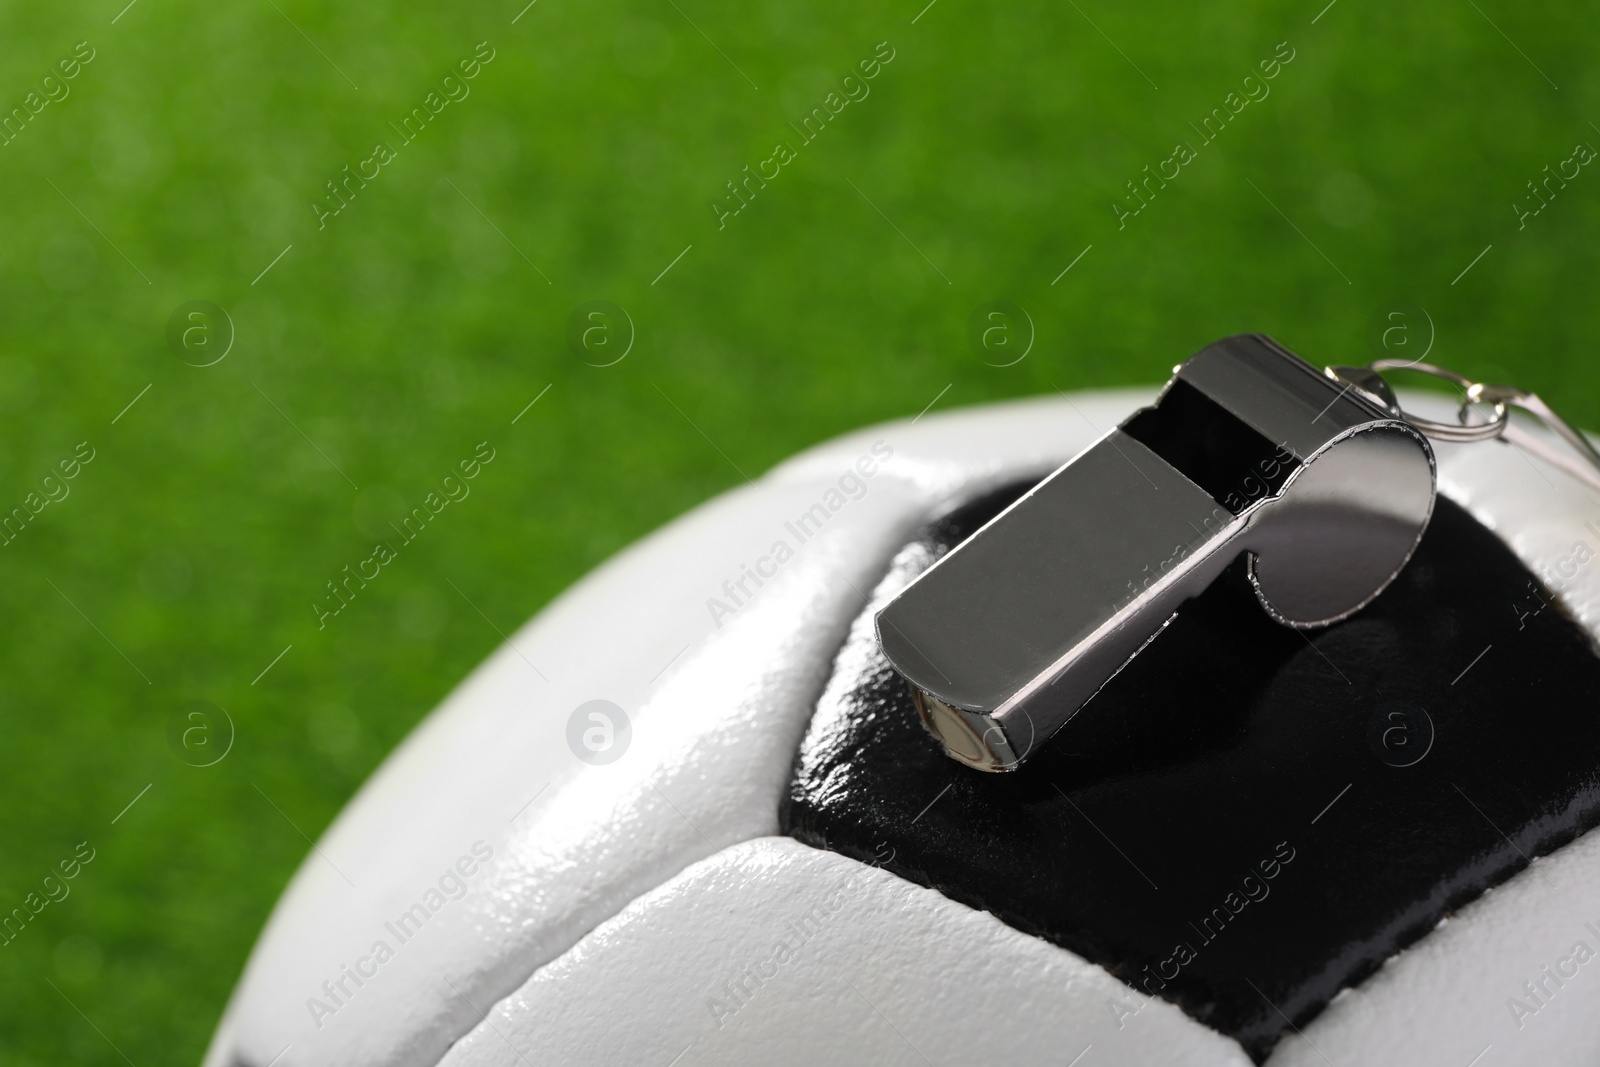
1229	749
1212	447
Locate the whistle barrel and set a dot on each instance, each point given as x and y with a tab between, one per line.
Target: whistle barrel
1248	449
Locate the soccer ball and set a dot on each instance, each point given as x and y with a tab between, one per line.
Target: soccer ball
688	816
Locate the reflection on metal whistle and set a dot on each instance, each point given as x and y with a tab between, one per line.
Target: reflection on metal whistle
1249	449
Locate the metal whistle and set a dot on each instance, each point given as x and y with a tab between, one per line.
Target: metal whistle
1318	480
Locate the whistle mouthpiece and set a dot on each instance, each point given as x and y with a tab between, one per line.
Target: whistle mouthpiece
1248	449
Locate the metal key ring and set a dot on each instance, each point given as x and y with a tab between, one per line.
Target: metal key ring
1533	405
1475	391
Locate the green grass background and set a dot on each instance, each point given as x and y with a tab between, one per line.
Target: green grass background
410	329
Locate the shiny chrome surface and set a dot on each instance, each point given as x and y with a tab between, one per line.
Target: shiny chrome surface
1369	384
1008	635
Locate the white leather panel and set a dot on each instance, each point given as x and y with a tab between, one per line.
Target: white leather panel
717	713
776	953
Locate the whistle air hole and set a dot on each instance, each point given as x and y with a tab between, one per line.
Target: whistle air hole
1232	461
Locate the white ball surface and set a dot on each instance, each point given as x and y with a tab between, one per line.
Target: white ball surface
618	898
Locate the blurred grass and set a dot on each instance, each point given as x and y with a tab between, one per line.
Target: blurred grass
411	328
